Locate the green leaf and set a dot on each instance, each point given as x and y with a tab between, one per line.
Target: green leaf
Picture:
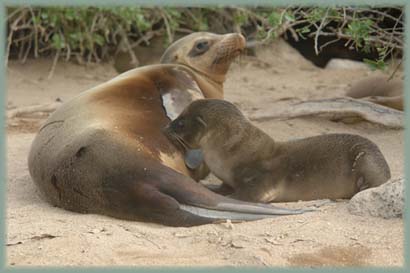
316	15
374	65
274	19
289	17
57	41
240	18
141	22
98	39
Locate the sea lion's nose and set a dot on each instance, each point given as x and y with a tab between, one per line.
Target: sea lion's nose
242	40
237	39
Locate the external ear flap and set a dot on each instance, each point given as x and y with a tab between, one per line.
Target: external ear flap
201	121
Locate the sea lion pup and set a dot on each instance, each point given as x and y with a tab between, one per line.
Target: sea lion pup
259	169
380	90
104	151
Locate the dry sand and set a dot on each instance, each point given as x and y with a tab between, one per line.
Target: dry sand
39	234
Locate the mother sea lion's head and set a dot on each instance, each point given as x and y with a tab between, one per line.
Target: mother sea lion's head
207	53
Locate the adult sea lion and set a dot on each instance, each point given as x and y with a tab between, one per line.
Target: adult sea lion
259	169
104	151
380	90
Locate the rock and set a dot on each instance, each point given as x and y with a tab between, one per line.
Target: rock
386	201
346	64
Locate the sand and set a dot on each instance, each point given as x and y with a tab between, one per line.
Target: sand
39	234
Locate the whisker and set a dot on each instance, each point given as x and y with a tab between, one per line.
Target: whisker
183	143
179	140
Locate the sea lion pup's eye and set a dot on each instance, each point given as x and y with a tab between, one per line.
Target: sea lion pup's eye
180	124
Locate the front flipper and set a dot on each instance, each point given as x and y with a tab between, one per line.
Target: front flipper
195	199
152	192
194	158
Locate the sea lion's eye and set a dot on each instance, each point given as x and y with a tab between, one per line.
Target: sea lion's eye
199	48
202	46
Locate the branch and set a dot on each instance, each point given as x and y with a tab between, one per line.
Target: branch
336	109
322	24
26	110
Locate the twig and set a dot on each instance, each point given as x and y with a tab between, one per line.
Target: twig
35	33
329	43
27	51
145	38
10	37
322	24
53	67
15	12
395	70
134	59
167	26
371	39
377	12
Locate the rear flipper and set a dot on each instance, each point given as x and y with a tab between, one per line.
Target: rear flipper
223	189
370	166
165	196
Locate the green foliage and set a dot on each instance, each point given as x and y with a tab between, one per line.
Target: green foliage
275	19
364	28
76	30
94	33
302	31
82	31
240	18
316	15
375	65
360	30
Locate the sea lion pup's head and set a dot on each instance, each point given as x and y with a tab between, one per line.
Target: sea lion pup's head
207	53
204	119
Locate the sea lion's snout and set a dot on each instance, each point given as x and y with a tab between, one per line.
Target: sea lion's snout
172	136
168	131
241	42
232	45
172	127
186	130
236	39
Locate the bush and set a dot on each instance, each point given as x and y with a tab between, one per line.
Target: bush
92	34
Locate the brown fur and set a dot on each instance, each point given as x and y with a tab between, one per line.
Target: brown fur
258	169
104	151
